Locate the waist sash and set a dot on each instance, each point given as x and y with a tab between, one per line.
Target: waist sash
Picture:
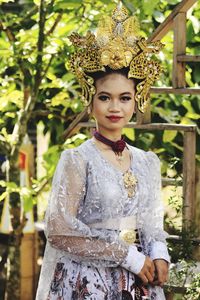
125	225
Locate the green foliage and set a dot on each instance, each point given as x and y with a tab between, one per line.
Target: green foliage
193	292
180	272
185	274
58	100
25	70
27	194
129	133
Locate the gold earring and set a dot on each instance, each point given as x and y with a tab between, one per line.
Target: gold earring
89	110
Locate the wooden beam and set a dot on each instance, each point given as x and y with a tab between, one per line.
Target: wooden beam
178	75
171	181
167	25
144	118
171	90
72	128
176	289
178	239
189	177
188	58
152	126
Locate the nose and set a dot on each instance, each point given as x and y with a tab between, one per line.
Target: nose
114	105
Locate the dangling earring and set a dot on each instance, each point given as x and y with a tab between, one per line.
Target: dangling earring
89	110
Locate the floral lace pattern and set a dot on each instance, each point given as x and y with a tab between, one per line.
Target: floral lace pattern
87	189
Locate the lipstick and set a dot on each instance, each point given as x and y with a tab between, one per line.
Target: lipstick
114	118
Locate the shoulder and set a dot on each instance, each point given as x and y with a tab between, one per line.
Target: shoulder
75	156
149	157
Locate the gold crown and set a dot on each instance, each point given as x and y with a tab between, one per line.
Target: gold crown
117	44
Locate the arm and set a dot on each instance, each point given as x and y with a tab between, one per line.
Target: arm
158	253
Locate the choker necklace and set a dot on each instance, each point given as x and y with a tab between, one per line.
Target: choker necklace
117	147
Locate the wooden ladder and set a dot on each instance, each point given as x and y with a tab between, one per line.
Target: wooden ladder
176	21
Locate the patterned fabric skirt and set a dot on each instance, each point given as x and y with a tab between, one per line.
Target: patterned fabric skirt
78	281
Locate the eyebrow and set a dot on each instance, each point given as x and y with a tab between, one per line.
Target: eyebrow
103	92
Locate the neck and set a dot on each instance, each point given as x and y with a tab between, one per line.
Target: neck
117	146
113	136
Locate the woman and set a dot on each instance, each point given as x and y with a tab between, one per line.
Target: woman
105	237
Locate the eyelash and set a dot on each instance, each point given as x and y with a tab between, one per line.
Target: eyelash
103	98
124	98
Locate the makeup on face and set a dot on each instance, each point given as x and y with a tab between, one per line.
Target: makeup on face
113	104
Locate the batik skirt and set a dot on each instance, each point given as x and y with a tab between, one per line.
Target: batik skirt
79	281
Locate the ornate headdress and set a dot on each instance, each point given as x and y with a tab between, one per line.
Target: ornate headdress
117	44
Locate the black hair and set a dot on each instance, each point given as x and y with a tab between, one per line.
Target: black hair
101	74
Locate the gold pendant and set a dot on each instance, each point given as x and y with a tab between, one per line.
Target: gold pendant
130	182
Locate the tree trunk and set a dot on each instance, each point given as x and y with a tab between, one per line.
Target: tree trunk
13	269
13	278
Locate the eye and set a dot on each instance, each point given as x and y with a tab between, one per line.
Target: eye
126	98
103	97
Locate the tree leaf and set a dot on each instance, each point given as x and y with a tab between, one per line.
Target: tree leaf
169	135
130	133
3	196
67	5
3	183
6	1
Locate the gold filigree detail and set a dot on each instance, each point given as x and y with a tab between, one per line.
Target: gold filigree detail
117	44
130	182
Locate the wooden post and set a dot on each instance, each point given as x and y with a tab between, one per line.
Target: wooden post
28	266
189	177
144	118
169	295
196	251
178	76
197	200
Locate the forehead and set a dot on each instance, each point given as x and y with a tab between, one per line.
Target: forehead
115	83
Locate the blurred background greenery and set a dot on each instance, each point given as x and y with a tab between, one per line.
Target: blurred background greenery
34	51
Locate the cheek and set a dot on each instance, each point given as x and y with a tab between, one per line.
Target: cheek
130	109
96	108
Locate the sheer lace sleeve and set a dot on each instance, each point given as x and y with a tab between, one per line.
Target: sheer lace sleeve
64	230
154	226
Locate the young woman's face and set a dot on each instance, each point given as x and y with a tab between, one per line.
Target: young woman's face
113	104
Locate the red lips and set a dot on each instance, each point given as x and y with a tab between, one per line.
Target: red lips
114	118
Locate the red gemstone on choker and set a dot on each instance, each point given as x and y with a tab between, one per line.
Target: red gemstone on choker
117	147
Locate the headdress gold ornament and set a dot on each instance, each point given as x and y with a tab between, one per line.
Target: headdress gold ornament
117	44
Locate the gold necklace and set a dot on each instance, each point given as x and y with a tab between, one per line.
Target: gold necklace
119	157
130	182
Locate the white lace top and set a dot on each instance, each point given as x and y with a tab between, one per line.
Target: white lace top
86	190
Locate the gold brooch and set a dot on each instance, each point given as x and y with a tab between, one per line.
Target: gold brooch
128	236
130	182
